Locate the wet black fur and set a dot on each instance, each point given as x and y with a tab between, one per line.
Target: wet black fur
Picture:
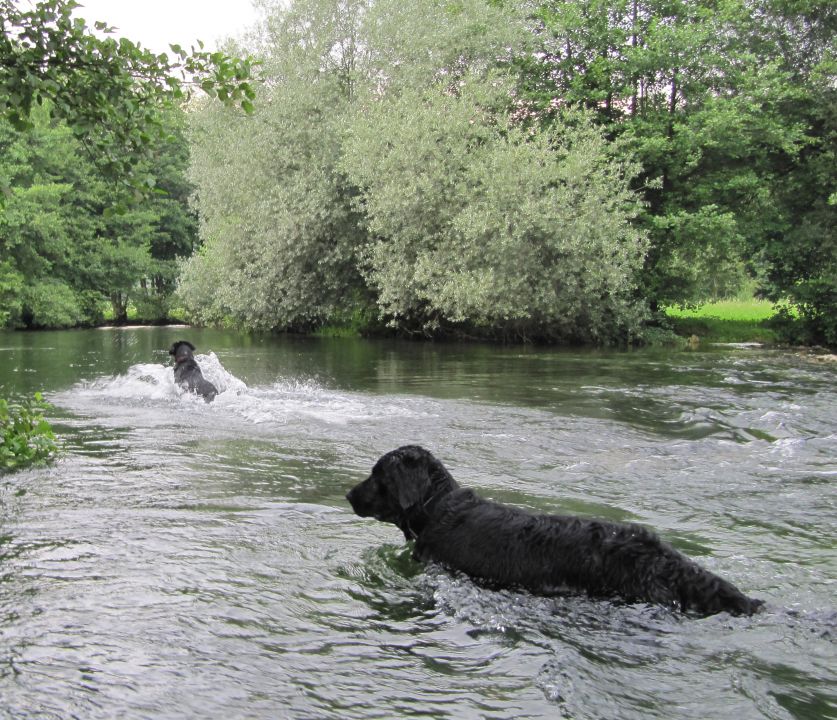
510	547
187	372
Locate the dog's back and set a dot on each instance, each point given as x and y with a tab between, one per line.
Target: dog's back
553	553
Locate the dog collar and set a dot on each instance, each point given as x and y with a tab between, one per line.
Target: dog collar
405	526
431	499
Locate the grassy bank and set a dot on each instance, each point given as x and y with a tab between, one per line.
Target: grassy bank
726	321
740	320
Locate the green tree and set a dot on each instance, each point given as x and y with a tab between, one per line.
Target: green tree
109	90
650	71
478	221
798	257
36	232
728	105
66	254
71	237
480	225
387	163
277	222
417	44
282	233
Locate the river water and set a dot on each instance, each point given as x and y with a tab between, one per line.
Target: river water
192	560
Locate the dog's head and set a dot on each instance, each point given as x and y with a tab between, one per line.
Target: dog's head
402	488
182	350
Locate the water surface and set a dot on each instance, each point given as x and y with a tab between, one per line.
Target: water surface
186	559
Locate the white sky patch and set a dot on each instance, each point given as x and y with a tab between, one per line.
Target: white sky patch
156	24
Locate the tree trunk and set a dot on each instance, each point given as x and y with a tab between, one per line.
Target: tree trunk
119	303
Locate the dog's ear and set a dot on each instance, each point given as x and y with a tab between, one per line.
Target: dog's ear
441	481
412	488
409	470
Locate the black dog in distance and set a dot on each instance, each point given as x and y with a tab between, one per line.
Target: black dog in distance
187	372
545	554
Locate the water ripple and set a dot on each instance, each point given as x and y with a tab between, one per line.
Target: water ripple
186	559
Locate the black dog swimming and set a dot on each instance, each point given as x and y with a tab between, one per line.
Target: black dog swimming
545	554
187	372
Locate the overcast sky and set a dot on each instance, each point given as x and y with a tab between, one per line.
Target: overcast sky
156	24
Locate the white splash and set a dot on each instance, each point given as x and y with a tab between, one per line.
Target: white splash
152	386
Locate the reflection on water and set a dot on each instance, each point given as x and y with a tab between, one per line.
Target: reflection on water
186	559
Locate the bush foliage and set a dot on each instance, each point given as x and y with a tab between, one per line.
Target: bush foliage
26	437
421	195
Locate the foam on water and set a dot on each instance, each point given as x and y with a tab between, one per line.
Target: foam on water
153	386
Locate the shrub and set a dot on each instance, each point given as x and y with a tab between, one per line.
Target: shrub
475	220
26	438
51	304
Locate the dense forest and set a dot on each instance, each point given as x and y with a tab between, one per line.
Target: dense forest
509	169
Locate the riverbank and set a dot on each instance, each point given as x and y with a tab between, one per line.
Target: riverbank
727	321
732	321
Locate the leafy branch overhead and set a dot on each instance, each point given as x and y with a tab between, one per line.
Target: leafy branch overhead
111	91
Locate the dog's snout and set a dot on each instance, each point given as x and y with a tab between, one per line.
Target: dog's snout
359	501
352	497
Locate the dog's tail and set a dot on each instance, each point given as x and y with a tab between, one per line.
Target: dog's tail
705	593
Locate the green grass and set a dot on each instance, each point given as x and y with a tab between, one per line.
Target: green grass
726	321
175	314
734	310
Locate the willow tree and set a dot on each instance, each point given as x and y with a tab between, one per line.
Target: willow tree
481	225
278	228
479	221
282	233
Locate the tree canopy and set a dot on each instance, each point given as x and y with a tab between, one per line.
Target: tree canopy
63	257
94	202
729	105
109	90
553	170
